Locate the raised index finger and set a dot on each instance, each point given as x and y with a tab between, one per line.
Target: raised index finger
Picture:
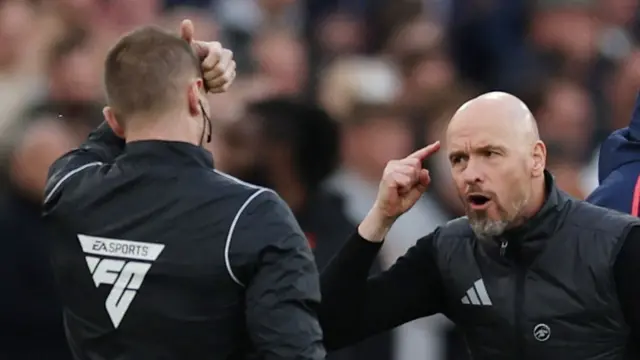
426	151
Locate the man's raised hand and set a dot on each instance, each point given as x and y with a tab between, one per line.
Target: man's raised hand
402	184
218	66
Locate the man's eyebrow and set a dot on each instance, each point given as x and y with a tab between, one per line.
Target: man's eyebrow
484	148
498	148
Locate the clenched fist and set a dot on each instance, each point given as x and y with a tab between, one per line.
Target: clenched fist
402	184
218	66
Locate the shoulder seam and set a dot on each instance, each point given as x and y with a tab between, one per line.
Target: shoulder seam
232	228
67	176
236	180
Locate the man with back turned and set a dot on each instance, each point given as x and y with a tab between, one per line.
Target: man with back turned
529	273
168	258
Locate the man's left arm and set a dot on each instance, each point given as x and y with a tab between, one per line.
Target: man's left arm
273	261
626	273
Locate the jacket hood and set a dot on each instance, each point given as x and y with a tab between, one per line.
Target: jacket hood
621	147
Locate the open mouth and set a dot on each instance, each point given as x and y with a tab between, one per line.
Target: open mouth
478	201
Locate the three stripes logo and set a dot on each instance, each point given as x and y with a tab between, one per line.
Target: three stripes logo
477	295
110	262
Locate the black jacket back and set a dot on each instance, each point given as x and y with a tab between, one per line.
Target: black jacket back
166	258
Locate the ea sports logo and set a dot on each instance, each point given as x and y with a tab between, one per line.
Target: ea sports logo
542	332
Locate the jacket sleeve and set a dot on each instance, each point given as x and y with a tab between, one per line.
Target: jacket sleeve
355	306
82	164
271	258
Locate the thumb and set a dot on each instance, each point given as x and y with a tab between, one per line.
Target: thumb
187	30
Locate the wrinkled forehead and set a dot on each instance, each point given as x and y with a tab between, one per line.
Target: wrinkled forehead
466	133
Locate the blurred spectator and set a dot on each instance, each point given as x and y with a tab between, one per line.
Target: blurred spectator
565	119
340	34
82	13
489	42
280	59
623	91
566	170
19	76
428	75
242	20
74	68
566	32
29	308
202	21
617	18
414	36
125	15
361	93
292	148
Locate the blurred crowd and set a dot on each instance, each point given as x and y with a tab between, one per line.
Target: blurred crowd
327	92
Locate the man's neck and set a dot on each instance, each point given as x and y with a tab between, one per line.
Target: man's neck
163	129
538	198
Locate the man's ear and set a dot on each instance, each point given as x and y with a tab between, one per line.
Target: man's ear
539	159
193	97
110	117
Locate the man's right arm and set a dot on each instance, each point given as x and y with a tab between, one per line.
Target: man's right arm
101	148
271	258
355	307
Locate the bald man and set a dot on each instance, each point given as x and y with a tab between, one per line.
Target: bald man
529	273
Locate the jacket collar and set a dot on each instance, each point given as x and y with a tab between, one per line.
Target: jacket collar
168	153
542	224
526	241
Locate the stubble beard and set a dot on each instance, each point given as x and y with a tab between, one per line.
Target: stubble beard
486	228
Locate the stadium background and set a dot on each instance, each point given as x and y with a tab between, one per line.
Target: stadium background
390	73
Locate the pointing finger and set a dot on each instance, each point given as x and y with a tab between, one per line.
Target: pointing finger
412	162
426	151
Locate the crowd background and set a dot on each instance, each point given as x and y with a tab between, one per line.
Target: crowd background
385	76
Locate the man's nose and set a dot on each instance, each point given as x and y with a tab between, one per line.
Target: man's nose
472	173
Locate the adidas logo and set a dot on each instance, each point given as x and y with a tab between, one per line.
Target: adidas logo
110	262
477	295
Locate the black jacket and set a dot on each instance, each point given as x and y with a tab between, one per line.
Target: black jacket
168	259
562	287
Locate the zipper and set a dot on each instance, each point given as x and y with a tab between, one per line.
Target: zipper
503	248
519	311
518	307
